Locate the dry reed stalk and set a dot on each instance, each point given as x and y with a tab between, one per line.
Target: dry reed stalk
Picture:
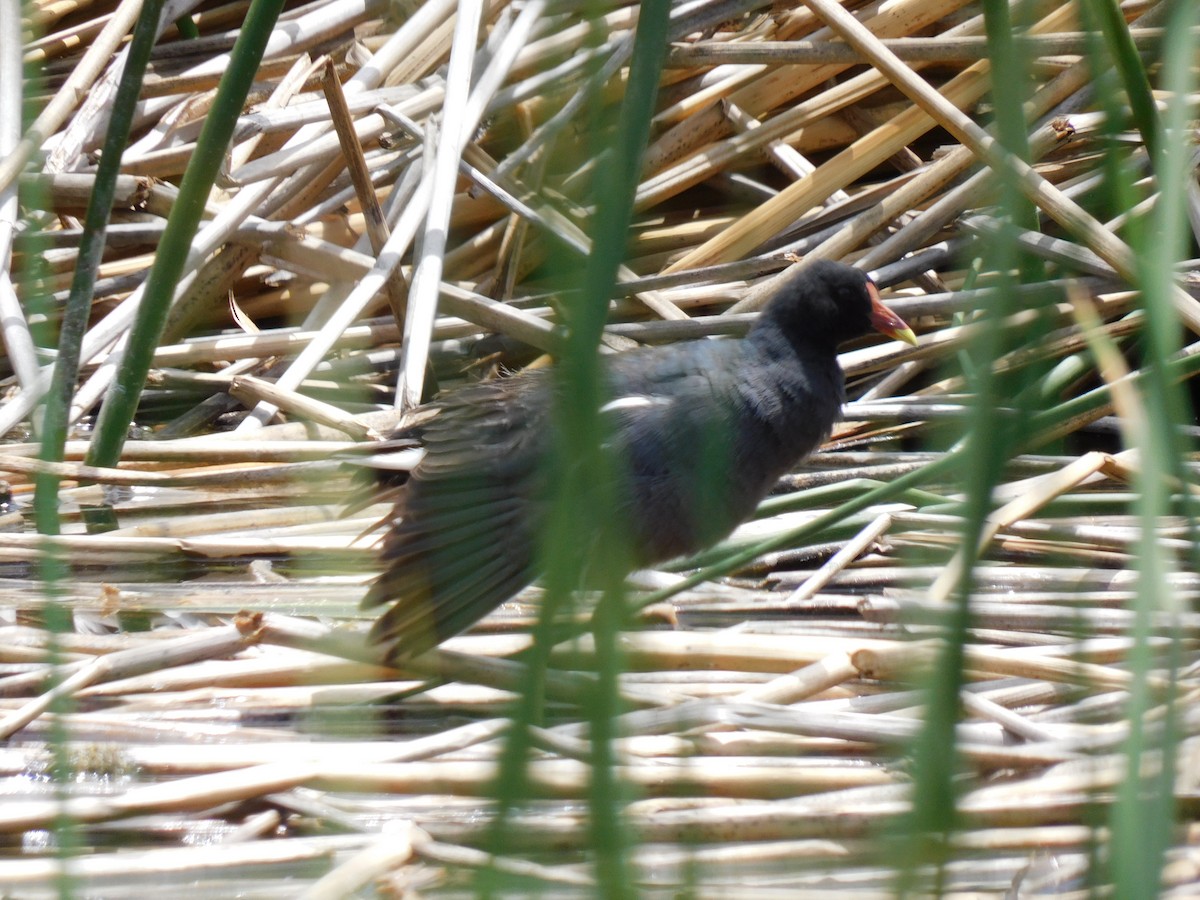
249	859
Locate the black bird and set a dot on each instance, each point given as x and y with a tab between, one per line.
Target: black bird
700	432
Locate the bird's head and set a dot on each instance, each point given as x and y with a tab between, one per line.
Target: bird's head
828	303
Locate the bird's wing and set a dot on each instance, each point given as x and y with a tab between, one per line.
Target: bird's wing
672	424
465	525
380	476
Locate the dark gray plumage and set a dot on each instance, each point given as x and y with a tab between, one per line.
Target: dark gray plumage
699	430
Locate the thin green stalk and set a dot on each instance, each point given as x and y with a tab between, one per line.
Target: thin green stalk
120	405
187	28
1116	164
1143	816
616	185
585	493
928	827
1048	422
91	250
1128	64
1010	90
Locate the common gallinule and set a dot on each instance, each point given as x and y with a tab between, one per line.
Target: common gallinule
700	432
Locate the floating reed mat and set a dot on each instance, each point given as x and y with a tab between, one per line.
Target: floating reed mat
954	653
